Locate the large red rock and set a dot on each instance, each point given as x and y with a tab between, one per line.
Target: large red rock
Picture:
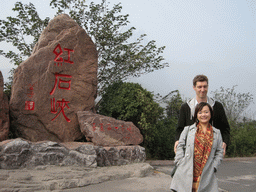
56	81
107	131
4	111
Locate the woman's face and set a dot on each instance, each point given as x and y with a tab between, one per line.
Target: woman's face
204	115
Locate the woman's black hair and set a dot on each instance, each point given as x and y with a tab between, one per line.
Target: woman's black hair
199	108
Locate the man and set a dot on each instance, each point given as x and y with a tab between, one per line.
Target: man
200	85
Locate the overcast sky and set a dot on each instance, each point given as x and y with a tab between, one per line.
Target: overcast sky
213	37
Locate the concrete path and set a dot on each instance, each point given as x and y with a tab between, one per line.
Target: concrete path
234	175
238	175
157	182
56	178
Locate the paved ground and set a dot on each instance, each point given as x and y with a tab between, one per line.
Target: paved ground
239	175
234	175
157	182
57	178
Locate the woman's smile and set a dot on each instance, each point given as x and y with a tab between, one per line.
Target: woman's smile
204	115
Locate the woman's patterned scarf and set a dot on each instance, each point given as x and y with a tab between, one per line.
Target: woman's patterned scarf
202	150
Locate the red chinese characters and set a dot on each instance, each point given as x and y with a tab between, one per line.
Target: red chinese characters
109	127
129	129
94	127
59	104
29	105
58	52
30	92
62	81
126	131
101	127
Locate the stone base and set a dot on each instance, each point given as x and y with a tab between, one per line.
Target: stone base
56	178
19	153
120	155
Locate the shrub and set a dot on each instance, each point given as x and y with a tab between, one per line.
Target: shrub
243	139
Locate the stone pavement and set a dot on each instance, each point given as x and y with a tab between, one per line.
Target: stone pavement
155	182
58	178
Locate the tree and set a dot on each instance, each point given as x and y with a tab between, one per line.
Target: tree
164	137
174	102
234	103
119	58
22	31
130	102
243	140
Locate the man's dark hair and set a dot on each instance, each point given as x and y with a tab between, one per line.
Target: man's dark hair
199	108
200	78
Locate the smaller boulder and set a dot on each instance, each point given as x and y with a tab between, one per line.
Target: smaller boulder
107	131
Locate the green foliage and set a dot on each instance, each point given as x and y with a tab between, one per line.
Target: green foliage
174	102
243	139
7	89
163	141
21	31
234	103
119	58
242	130
118	102
130	102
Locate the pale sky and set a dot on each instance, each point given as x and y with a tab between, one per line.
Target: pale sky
214	37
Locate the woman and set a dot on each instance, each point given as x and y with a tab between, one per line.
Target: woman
199	153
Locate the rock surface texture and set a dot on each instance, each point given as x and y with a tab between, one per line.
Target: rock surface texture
120	155
4	111
57	178
20	153
54	83
107	131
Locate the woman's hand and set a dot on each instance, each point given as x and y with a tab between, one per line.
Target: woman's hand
224	146
175	146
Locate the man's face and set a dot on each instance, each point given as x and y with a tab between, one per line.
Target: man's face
201	89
